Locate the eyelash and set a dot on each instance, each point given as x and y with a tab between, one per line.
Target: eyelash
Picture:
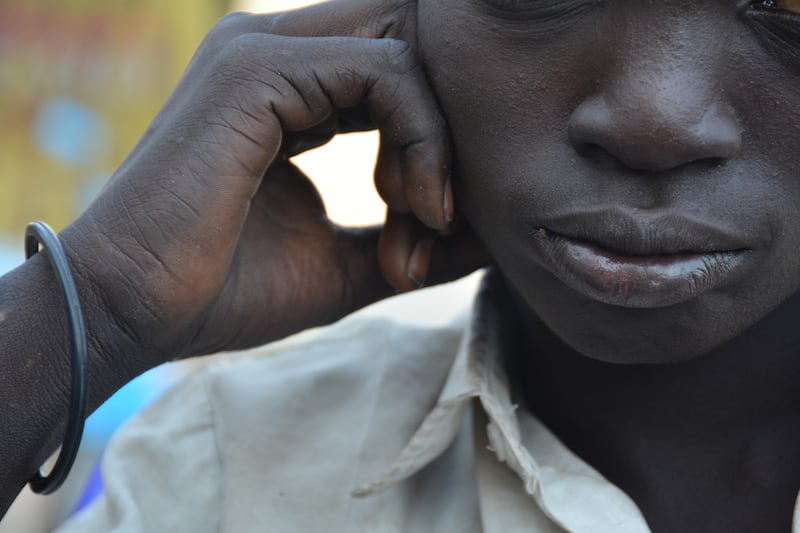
778	30
765	6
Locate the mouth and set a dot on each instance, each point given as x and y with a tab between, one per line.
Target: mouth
642	263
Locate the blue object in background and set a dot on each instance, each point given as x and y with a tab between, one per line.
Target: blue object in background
93	490
126	402
71	132
89	190
11	256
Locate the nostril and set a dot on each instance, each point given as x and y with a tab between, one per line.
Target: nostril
590	150
711	162
594	152
651	135
597	154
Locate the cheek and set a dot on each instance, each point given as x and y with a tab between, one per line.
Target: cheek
502	138
766	96
508	106
508	103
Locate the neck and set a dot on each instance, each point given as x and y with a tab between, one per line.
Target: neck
746	381
731	409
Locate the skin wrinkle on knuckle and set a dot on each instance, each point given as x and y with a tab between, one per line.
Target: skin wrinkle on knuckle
399	55
244	59
244	65
257	49
237	119
312	105
280	81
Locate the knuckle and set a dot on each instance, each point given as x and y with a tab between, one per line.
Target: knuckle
399	55
242	57
244	44
230	27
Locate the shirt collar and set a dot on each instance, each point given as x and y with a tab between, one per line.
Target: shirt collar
571	493
477	372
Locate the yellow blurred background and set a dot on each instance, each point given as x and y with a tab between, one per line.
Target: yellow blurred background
81	80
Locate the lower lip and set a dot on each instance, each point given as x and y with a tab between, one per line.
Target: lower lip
641	282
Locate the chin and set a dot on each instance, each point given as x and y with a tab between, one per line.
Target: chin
630	336
633	349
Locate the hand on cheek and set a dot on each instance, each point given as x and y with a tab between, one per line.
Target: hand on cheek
217	241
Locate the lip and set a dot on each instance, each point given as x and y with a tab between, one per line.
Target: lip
645	260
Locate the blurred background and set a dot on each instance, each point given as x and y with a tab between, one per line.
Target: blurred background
81	81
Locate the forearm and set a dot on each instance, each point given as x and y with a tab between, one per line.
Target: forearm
36	367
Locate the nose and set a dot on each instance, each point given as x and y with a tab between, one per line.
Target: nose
655	118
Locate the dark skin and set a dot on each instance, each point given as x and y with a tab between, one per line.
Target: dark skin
648	108
661	110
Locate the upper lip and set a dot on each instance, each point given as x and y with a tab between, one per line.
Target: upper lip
647	232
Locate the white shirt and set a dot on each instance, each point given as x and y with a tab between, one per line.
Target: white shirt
366	426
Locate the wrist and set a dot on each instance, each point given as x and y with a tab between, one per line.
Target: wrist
116	352
35	345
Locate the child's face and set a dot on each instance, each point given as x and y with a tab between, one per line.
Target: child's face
637	130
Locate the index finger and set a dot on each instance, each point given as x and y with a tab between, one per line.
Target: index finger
337	18
413	172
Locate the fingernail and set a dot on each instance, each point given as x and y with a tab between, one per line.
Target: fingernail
420	261
449	207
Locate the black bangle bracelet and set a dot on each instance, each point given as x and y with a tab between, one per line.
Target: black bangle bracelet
40	233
